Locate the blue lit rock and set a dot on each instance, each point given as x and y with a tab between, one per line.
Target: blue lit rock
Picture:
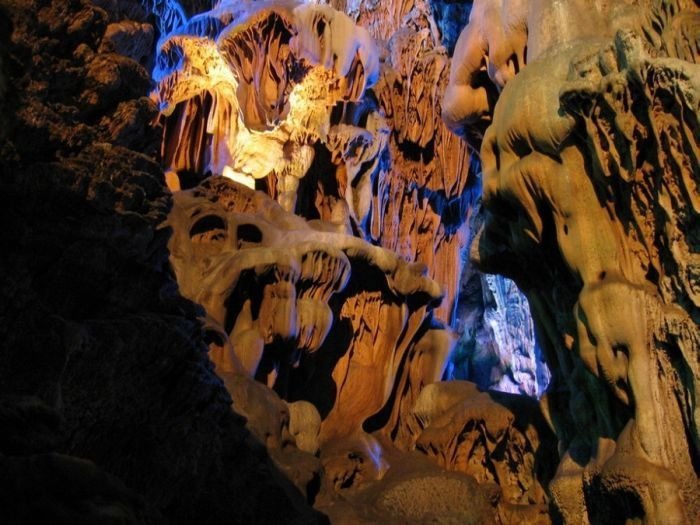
497	348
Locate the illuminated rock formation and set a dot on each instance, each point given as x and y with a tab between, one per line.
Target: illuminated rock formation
494	437
334	283
296	286
292	102
253	92
590	186
328	318
383	167
288	98
427	199
423	194
266	279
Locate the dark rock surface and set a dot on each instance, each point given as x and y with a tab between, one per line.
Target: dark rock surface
109	407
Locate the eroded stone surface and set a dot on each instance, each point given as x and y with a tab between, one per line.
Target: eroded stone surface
590	171
273	287
590	183
354	144
303	101
109	407
254	92
423	194
496	438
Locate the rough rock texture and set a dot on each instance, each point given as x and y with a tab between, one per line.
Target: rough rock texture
413	490
109	407
293	102
328	318
272	288
116	393
496	348
252	92
428	197
430	194
494	437
498	452
590	185
267	93
300	103
316	148
424	191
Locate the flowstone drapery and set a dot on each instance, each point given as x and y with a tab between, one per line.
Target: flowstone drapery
333	283
300	103
272	286
343	331
590	155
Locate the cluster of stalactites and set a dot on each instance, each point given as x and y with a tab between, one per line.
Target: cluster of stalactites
248	90
422	202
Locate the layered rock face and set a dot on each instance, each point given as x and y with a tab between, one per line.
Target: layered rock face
587	117
342	331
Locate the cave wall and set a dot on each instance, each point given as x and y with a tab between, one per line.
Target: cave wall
587	126
367	207
300	367
109	406
370	156
117	392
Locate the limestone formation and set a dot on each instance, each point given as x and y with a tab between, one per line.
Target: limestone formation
268	282
428	171
496	347
590	186
424	191
304	425
326	317
231	299
496	441
301	101
261	93
293	102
